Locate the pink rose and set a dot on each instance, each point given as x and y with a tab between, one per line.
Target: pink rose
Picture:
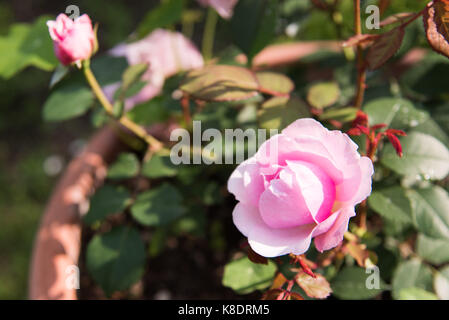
73	40
307	189
166	53
223	7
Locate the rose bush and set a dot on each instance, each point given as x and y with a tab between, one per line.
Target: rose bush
307	188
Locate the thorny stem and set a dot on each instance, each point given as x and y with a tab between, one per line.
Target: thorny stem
361	67
123	120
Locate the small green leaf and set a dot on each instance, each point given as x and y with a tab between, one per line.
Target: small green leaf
220	83
430	211
279	112
274	82
166	14
351	284
441	283
244	277
116	259
424	157
67	102
126	166
323	94
59	74
106	201
396	113
411	274
341	114
433	250
158	167
158	206
416	294
253	25
149	112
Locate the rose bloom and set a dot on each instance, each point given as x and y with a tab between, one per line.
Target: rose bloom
306	189
166	54
223	7
73	40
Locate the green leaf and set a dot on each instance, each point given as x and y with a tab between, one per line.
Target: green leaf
433	250
158	206
441	283
323	94
424	157
279	112
416	294
27	45
116	259
126	166
67	102
158	167
167	13
350	284
396	113
411	274
244	277
108	69
149	112
392	204
253	25
274	82
220	83
430	211
106	201
59	74
341	114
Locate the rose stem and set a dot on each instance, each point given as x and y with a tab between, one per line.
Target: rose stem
126	122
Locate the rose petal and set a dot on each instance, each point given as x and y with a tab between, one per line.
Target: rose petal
333	237
246	183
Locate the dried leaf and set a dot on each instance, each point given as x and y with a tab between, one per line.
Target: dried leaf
436	24
385	47
256	258
272	294
278	281
358	252
318	288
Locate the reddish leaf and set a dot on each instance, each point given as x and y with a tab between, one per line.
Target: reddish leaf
396	143
295	296
318	288
278	281
384	48
436	24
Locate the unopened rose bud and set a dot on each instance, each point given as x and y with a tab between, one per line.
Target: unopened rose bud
73	41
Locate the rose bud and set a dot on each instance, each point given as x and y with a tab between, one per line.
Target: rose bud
224	8
307	189
73	41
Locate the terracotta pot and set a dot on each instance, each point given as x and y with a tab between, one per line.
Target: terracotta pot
57	243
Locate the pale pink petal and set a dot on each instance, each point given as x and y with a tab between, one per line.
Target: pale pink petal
317	188
246	183
334	235
270	242
282	205
364	189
